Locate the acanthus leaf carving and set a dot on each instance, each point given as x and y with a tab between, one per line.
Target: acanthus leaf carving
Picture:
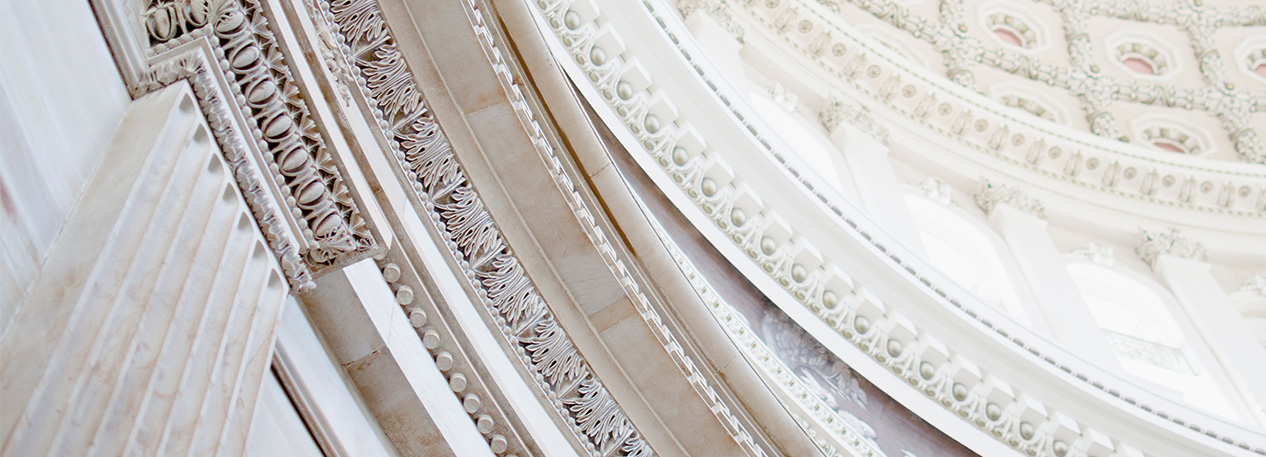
425	154
993	193
1155	243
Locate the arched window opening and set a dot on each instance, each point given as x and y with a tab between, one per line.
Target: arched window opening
963	252
1144	336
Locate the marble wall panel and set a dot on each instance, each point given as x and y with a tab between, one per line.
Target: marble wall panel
61	98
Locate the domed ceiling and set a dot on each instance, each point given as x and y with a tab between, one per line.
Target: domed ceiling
1184	77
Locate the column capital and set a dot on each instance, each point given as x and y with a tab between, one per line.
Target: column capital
1255	283
992	193
839	111
715	10
1171	242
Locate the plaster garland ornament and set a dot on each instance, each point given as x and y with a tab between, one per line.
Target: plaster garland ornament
783	98
1155	243
329	230
992	193
718	11
1021	421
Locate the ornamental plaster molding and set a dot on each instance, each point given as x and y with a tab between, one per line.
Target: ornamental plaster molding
547	147
1083	78
833	434
981	130
472	238
718	11
475	242
839	111
992	193
258	115
677	155
1171	242
294	150
480	402
1255	284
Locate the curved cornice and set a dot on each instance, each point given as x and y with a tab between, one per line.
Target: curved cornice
1074	69
448	198
968	124
812	278
443	189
